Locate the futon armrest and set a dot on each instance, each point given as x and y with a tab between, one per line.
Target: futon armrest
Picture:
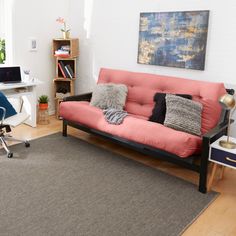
217	131
80	97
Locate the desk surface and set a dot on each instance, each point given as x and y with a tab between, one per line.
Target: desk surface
19	85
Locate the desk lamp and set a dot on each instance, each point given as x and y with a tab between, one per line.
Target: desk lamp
228	101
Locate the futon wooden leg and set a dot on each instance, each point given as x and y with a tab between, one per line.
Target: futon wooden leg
203	180
64	128
204	166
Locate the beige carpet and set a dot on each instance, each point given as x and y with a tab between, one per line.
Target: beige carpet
65	186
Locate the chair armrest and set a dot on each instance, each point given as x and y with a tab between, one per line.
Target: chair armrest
3	114
80	97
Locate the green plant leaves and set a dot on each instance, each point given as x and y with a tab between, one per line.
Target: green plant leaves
43	99
2	51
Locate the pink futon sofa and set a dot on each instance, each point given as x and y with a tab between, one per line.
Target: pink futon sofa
145	136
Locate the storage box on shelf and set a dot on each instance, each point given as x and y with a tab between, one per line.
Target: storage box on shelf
66	67
65	52
72	43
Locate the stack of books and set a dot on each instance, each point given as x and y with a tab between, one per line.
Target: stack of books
63	51
66	70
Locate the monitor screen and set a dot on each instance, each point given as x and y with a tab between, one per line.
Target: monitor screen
10	74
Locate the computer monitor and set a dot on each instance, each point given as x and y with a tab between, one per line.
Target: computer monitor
10	74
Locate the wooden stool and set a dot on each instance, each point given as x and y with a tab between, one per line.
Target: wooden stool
43	117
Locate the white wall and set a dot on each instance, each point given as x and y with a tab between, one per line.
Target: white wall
37	19
2	21
108	32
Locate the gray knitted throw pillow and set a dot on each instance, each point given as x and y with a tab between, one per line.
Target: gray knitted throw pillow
183	114
109	96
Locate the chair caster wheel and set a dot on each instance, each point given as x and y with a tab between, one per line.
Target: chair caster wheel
10	155
27	144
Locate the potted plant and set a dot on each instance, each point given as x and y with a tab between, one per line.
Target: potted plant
43	102
65	30
2	51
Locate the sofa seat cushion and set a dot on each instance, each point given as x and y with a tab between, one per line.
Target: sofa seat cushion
133	129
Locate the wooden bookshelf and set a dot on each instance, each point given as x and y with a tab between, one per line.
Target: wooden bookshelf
62	79
65	68
73	43
66	62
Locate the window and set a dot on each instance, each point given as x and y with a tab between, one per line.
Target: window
2	33
2	51
6	49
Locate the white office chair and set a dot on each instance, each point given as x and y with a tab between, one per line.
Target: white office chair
5	128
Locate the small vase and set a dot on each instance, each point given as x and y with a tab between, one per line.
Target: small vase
66	35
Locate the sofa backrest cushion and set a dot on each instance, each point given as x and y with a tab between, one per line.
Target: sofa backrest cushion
142	88
210	114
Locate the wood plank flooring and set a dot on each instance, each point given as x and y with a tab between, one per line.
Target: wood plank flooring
219	219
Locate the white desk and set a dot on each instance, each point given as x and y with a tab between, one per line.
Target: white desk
29	97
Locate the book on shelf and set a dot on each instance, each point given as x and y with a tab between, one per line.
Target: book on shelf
63	70
68	72
71	72
60	67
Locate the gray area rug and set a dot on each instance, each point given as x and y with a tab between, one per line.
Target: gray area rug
65	186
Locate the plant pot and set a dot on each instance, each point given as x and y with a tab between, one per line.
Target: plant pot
66	35
43	106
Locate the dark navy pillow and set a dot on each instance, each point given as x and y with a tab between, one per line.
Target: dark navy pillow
159	110
10	111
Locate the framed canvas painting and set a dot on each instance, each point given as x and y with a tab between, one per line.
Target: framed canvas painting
175	39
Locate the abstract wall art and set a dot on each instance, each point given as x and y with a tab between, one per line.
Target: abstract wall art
176	39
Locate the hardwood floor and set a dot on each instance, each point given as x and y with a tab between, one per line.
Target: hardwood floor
218	219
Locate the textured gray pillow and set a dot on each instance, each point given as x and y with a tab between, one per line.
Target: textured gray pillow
109	96
183	114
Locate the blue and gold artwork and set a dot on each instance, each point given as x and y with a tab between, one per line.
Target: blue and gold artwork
176	39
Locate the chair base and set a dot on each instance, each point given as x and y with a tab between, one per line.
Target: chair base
7	137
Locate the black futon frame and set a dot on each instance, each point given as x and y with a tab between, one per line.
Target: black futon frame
191	162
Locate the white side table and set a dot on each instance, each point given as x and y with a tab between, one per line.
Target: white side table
221	157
